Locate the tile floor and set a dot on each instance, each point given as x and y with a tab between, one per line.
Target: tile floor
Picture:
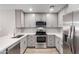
41	51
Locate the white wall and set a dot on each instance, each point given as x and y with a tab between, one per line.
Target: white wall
7	22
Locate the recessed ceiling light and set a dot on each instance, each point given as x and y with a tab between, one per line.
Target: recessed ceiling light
30	9
51	8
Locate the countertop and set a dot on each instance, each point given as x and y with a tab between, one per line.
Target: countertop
7	41
56	34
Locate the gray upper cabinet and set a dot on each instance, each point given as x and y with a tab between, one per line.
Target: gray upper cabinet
30	20
71	18
19	18
44	17
76	18
67	19
40	17
51	20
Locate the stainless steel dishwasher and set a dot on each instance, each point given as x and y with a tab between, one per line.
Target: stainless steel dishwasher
14	49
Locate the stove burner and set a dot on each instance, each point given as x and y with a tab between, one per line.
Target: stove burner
40	33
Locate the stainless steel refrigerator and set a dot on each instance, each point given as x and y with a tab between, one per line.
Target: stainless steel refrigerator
71	40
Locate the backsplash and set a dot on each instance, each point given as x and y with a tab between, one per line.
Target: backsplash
33	30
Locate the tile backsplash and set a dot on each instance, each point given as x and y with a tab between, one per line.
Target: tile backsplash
33	30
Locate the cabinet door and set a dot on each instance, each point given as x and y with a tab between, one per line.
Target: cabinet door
19	18
50	41
23	45
67	19
25	42
44	17
76	19
38	17
30	20
22	19
59	44
51	20
60	18
31	41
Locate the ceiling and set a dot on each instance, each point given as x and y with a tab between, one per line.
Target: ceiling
35	7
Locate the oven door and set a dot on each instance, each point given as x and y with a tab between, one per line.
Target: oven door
41	39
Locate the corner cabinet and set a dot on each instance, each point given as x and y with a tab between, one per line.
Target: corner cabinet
50	41
19	18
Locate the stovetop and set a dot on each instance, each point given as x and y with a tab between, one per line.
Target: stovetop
40	33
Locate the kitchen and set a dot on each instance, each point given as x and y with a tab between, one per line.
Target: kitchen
32	28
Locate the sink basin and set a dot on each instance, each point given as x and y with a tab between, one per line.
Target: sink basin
18	36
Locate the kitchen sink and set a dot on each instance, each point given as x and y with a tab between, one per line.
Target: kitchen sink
18	36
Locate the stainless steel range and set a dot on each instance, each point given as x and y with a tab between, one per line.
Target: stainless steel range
41	38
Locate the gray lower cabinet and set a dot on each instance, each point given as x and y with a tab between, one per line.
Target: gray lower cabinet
31	39
59	44
23	45
50	41
3	52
